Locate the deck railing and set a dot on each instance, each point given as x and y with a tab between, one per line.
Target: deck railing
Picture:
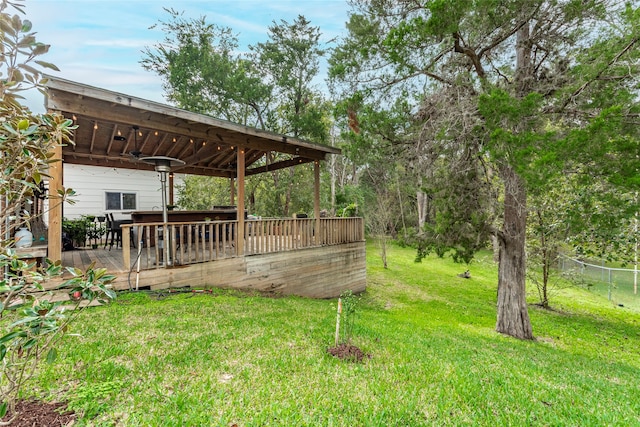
184	243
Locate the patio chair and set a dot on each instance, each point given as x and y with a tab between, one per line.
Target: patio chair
114	232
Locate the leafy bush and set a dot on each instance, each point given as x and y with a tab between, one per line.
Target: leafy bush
81	229
76	229
30	322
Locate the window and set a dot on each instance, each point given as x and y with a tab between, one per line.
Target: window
120	201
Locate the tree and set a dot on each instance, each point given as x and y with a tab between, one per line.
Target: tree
548	230
203	192
548	86
202	72
31	322
271	88
289	61
595	218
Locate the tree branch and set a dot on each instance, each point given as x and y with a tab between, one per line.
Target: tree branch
470	53
599	74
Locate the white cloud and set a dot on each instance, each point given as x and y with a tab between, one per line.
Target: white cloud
99	42
120	43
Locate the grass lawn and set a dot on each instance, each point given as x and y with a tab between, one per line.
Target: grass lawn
228	358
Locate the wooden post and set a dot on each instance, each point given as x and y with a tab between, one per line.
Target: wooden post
338	321
171	189
240	210
54	234
316	200
232	191
126	244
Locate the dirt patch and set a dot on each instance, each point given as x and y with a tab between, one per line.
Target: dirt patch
348	352
36	413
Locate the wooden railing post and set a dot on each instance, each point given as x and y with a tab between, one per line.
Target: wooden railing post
240	215
316	200
126	244
190	244
54	236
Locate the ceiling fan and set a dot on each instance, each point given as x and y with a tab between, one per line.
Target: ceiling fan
134	154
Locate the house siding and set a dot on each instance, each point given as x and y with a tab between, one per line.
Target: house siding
90	184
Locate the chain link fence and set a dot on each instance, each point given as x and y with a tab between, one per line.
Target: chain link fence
618	285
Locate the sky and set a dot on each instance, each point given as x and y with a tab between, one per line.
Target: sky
100	42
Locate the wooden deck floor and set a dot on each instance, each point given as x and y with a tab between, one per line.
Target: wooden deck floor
104	258
113	260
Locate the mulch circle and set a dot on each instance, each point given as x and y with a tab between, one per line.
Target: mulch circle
37	413
348	352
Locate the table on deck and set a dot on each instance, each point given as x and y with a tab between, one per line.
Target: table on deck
218	213
226	213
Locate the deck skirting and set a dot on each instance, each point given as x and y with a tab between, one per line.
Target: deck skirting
316	272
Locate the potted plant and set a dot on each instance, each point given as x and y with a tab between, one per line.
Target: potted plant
94	233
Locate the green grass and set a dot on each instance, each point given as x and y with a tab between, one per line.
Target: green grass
616	284
225	358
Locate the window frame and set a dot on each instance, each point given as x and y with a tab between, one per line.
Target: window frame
123	198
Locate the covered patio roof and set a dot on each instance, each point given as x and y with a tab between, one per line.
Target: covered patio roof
115	129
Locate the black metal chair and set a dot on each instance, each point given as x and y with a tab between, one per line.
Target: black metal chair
114	232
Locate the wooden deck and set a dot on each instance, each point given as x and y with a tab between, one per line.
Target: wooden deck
282	255
82	258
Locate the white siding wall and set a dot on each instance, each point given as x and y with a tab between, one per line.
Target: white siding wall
91	183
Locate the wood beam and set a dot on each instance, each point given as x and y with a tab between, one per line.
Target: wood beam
232	191
278	165
240	209
168	119
159	144
93	137
145	141
188	146
114	132
176	142
126	163
54	233
316	200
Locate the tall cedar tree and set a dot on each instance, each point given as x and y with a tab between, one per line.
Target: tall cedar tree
269	88
508	92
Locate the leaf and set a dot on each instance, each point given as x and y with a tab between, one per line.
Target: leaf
26	26
47	65
3	409
30	343
52	355
23	321
110	294
27	41
6	28
7	126
16	22
3	352
11	335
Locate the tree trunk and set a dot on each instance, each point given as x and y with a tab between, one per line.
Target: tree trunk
423	208
513	317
